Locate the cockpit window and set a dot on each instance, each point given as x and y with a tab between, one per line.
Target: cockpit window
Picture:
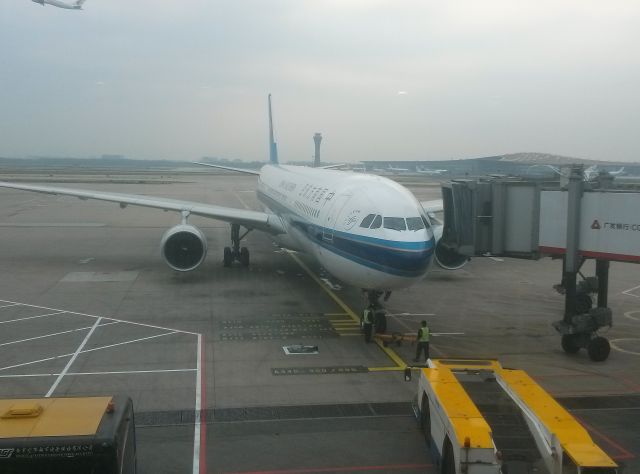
395	223
377	222
366	222
415	223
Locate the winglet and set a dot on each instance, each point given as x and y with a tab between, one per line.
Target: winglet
273	147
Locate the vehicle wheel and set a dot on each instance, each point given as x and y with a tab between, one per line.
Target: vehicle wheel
584	303
381	323
425	420
228	257
448	465
570	343
598	349
244	256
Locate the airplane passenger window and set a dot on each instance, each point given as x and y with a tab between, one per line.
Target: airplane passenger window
415	223
377	222
366	222
395	223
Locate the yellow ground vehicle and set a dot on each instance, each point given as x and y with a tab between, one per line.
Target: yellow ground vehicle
479	418
94	435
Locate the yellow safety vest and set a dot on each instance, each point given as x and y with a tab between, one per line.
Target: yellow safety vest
367	316
423	334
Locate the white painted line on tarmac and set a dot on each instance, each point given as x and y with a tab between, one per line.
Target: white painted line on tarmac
114	372
9	305
198	433
241	200
94	316
410	314
630	291
629	313
73	358
32	317
129	342
88	350
447	334
614	342
55	334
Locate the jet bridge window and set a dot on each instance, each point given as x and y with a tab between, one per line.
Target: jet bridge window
395	223
415	223
377	222
366	222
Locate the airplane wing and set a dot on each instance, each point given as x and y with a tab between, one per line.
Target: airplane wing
263	221
229	168
432	206
330	167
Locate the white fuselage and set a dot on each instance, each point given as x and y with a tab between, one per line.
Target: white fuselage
367	230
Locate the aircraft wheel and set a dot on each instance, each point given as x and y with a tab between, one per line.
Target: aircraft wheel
584	303
244	256
570	343
598	349
228	257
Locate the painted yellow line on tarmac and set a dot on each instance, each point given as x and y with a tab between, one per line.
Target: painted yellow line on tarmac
346	323
348	311
392	355
400	365
336	314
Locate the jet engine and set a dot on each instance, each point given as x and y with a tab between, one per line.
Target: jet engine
184	247
448	258
445	256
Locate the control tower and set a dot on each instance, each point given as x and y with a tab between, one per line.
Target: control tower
317	138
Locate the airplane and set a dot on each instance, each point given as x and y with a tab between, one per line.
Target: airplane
395	169
592	171
56	3
429	171
366	230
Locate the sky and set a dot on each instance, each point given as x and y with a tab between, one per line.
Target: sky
381	80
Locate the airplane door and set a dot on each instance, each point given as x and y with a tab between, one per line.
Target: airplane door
332	216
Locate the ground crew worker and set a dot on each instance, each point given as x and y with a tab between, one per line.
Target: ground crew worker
367	323
423	342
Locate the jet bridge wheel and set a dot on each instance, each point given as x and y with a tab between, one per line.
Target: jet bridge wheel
598	349
570	343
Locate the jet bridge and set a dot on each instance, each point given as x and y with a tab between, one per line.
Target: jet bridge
529	219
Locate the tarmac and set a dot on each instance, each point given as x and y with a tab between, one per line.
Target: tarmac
88	307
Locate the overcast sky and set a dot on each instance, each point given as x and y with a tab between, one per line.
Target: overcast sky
403	80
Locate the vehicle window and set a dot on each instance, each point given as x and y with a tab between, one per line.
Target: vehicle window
377	222
366	222
395	223
415	223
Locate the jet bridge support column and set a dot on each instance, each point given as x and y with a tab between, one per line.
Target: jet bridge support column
580	323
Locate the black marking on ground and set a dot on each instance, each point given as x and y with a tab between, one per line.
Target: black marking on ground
331	370
600	402
286	412
277	329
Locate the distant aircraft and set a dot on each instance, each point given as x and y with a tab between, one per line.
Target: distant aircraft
395	169
56	3
429	171
592	171
366	230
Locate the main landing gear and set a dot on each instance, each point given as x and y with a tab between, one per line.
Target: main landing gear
235	252
580	325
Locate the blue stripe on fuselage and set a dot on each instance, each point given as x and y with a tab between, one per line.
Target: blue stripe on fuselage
399	258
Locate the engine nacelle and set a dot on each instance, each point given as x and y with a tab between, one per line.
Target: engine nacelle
184	247
445	256
448	258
